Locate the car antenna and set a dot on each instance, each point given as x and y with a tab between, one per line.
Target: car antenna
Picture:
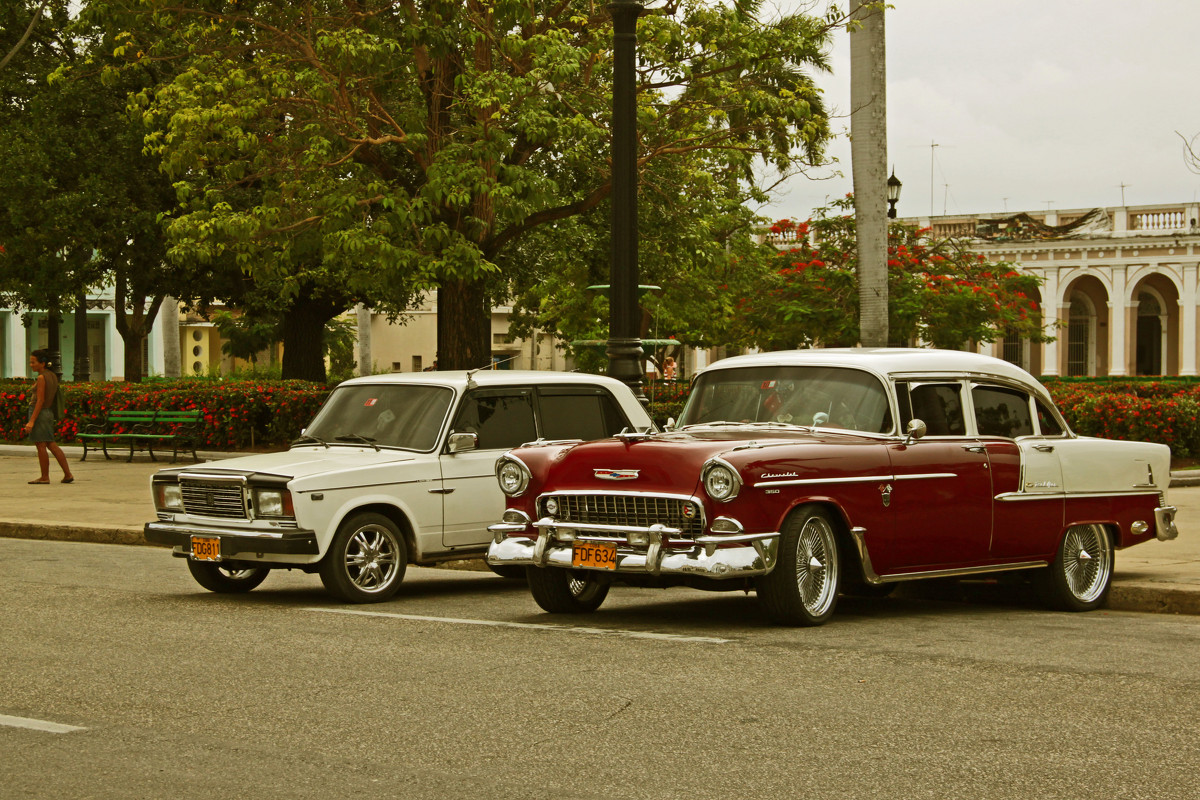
492	365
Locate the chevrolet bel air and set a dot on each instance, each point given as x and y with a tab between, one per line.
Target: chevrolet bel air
806	474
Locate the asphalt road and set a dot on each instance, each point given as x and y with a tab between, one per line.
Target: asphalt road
460	687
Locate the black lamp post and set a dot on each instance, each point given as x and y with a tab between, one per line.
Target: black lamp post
624	348
893	194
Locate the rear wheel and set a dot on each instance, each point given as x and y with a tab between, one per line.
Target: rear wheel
366	559
226	578
566	591
1081	574
803	587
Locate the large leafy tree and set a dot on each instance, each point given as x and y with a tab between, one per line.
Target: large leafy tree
378	148
79	199
939	291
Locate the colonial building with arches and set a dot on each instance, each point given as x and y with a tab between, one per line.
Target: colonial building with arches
1119	285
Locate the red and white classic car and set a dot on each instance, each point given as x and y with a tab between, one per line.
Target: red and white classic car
811	473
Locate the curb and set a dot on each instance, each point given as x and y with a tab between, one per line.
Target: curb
71	533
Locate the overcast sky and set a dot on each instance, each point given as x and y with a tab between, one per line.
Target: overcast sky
1029	101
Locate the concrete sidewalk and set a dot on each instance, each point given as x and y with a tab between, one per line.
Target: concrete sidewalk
110	501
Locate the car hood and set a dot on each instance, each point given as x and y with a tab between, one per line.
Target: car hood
669	463
302	462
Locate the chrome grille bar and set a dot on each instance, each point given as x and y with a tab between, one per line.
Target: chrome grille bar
222	499
627	511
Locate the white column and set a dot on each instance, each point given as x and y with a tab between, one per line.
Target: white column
16	359
1187	307
114	347
168	318
155	345
1050	304
1119	311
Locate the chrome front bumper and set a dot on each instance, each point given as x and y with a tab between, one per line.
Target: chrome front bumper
1164	523
754	554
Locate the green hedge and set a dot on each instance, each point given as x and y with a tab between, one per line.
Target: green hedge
236	414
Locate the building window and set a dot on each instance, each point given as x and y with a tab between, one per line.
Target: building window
416	364
1081	344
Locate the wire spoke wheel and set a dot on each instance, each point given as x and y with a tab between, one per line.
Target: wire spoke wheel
1081	574
802	589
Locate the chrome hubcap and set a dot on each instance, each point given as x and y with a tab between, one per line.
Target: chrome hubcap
371	558
816	571
1087	561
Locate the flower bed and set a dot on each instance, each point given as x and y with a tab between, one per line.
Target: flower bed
1163	410
236	414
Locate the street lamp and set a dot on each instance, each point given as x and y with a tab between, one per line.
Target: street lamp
893	194
625	358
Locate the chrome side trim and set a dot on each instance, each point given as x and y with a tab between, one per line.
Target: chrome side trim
874	578
961	571
1009	497
857	479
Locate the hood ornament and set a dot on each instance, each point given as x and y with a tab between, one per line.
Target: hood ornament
616	474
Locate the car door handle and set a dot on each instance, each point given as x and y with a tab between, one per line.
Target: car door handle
1044	448
441	491
974	448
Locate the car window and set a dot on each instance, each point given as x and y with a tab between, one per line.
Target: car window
939	406
502	420
1047	422
584	413
828	397
1001	412
403	416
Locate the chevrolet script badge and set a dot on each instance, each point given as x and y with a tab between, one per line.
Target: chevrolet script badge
616	474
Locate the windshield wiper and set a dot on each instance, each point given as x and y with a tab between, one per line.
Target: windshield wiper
305	438
354	437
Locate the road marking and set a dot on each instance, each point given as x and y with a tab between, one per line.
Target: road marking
38	725
669	637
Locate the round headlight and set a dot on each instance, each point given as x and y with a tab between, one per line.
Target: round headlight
513	477
721	482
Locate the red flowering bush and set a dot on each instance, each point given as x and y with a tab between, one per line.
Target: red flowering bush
234	414
1166	411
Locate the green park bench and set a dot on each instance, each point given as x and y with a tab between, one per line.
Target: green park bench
179	430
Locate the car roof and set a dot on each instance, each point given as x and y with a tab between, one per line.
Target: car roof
486	377
891	363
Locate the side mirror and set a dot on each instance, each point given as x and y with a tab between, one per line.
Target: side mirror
463	442
914	431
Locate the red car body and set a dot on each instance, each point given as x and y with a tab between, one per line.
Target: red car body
867	495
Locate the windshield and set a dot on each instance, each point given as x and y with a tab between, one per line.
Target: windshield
826	397
406	416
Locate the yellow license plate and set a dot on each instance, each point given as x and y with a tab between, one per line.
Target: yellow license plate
596	555
206	549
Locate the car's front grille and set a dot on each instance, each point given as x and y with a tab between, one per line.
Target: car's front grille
638	511
213	498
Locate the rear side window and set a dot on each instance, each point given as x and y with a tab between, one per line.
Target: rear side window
939	406
1047	422
579	414
1001	412
501	420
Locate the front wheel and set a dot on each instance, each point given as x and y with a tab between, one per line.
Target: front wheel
226	578
566	591
1081	574
366	559
803	587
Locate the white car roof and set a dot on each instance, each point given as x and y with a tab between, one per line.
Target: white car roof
488	377
892	362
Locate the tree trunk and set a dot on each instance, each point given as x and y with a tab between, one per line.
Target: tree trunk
464	325
868	143
304	336
134	322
